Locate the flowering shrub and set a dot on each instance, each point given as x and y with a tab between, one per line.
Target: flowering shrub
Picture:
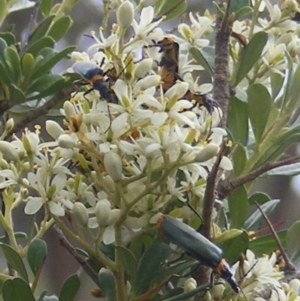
148	137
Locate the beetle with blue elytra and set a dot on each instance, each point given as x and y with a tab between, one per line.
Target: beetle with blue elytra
197	246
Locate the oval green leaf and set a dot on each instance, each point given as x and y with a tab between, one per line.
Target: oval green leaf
251	54
69	288
14	260
238	207
293	242
107	284
41	31
150	267
237	120
259	107
204	57
16	290
128	260
45	7
59	29
256	216
36	255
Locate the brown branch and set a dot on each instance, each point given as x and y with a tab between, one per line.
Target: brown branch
209	196
221	89
82	262
42	110
225	187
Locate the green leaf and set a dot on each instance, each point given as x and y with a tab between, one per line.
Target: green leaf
44	83
256	216
35	48
4	75
258	197
287	170
204	57
3	9
16	290
170	8
69	288
36	255
107	284
294	93
236	5
128	260
16	95
3	46
238	207
41	31
251	54
12	61
239	159
150	267
227	235
18	235
293	242
232	248
27	64
9	38
277	81
14	260
267	244
259	107
246	10
48	63
60	28
238	115
185	296
180	268
45	7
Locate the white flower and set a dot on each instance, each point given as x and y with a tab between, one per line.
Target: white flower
193	35
50	194
146	31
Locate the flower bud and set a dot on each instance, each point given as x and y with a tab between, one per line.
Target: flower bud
226	164
3	164
8	151
208	152
294	285
217	292
69	109
143	67
9	125
113	165
24	193
113	216
53	129
125	14
80	213
65	141
102	211
147	82
189	285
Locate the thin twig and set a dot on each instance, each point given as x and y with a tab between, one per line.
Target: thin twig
82	262
225	187
288	264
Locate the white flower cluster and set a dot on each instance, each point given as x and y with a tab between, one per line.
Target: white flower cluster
123	161
283	39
